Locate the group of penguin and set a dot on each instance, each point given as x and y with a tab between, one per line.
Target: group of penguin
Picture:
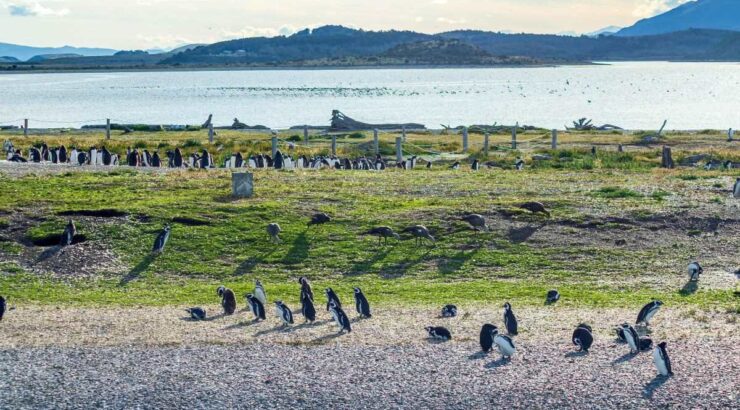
60	155
257	300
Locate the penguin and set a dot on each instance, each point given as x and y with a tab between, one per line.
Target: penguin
34	155
519	164
279	161
307	308
455	165
583	337
177	158
449	311
319	219
196	313
62	155
332	297
132	159
228	300
504	343
620	333
259	292
82	158
429	164
552	297
736	189
68	235
257	308
510	320
476	165
284	312
647	312
361	304
73	156
3	307
107	158
156	161
205	160
161	240
340	317
238	160
486	337
306	287
635	342
54	154
438	332
661	360
694	271
146	158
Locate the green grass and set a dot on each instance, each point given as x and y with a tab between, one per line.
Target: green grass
612	192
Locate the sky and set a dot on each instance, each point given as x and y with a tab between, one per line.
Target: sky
148	24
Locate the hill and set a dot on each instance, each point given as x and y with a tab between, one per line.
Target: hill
706	14
23	53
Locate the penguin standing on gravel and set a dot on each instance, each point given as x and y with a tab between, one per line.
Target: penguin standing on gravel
332	297
661	360
510	320
361	304
635	342
69	234
196	313
228	300
438	333
284	313
257	308
449	311
305	287
620	333
583	337
647	312
694	271
307	308
486	337
504	343
259	292
340	317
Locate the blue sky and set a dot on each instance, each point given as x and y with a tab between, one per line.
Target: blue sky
129	24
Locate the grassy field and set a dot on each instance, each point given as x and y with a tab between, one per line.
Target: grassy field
621	233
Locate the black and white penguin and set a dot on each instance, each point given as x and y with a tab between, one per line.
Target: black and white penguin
694	271
82	158
510	320
196	313
476	165
205	160
238	160
661	360
455	165
273	231
161	240
34	154
177	158
62	155
332	297
361	304
259	292
552	297
228	300
284	313
583	337
68	235
132	159
305	287
319	219
449	311
107	158
279	162
504	343
257	308
648	311
519	164
486	337
620	333
307	308
635	342
156	161
438	332
340	317
3	307
429	164
146	158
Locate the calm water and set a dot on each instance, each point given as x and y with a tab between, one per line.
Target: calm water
632	95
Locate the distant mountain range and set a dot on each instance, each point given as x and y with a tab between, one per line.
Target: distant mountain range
24	53
708	14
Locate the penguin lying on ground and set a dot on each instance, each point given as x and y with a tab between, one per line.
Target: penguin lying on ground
583	337
196	313
552	297
449	311
438	332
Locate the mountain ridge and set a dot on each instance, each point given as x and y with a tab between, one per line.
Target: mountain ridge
701	14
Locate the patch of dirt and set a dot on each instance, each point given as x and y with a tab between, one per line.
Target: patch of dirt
191	221
99	213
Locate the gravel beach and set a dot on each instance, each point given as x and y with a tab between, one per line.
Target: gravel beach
152	358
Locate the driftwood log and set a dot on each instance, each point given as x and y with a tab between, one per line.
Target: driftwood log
584	124
341	122
647	139
490	129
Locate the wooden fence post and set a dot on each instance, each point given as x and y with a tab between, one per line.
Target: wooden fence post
274	146
107	128
620	148
25	127
333	145
403	133
399	149
465	139
730	134
554	144
210	133
667	161
485	144
513	136
375	140
305	134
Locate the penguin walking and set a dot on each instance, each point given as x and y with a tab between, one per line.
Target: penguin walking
635	342
661	360
161	240
307	308
694	271
504	343
486	337
228	300
284	312
3	307
306	287
196	313
552	297
449	311
361	304
510	320
69	234
519	164
438	333
259	292
273	231
319	219
340	317
583	337
332	297
257	308
647	312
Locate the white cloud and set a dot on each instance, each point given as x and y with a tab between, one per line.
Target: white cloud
451	21
33	8
650	8
440	2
